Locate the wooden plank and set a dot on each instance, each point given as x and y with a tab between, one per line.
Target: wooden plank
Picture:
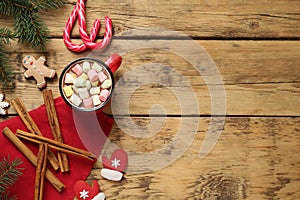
254	158
238	62
266	99
260	77
252	99
214	18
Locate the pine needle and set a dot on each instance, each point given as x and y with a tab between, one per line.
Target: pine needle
8	8
5	35
9	173
47	4
30	29
5	68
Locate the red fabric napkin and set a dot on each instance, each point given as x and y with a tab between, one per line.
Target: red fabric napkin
80	129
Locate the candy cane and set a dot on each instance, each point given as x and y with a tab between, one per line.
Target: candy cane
82	23
88	41
67	32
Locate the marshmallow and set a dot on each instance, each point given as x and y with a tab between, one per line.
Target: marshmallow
99	196
112	175
96	100
83	93
77	69
95	90
69	78
93	76
95	83
68	90
88	85
102	76
106	84
104	94
97	67
86	66
83	76
88	102
79	82
75	100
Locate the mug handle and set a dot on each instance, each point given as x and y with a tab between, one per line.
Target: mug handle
114	62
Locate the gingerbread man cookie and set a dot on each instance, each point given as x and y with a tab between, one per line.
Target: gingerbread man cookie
37	69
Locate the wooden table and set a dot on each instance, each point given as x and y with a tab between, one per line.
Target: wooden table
255	46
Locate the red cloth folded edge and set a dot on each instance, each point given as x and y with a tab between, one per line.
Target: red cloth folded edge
80	129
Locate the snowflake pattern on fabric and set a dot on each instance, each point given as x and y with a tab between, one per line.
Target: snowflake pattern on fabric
84	194
3	105
115	163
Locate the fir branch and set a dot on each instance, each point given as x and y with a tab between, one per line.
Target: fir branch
47	4
30	29
12	8
9	173
5	35
28	25
5	68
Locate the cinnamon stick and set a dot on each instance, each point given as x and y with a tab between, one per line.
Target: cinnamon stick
55	144
24	115
55	128
55	182
44	168
32	127
40	171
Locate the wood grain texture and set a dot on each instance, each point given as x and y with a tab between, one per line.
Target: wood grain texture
260	77
254	158
196	18
238	61
255	46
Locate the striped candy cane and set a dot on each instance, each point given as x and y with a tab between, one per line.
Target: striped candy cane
69	26
88	41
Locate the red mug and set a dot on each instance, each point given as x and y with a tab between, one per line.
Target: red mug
108	68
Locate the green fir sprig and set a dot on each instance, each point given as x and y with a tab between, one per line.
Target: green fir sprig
5	35
6	77
9	173
28	28
5	68
46	5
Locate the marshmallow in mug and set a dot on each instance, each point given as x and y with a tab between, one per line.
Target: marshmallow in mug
87	84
